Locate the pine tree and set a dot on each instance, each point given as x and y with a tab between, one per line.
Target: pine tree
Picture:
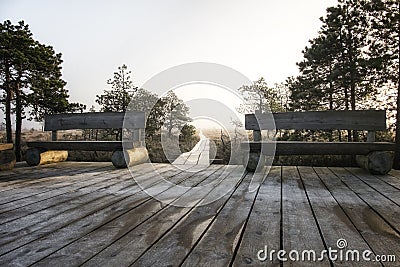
122	90
385	50
117	98
30	77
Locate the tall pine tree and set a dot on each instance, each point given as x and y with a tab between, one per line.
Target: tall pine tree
30	78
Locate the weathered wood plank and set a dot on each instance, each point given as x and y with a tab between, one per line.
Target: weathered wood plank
299	228
263	227
49	174
121	179
127	249
67	227
82	145
395	173
391	180
217	246
390	192
319	120
383	206
26	191
24	230
95	120
177	243
332	220
37	197
54	203
379	235
116	229
319	148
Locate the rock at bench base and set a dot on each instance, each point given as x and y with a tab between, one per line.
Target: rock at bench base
7	160
35	156
377	162
133	156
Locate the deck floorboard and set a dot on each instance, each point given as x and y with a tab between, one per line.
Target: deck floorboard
90	214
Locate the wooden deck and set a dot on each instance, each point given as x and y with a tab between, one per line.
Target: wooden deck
71	214
199	155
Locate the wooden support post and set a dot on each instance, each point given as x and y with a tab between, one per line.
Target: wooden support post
129	157
53	135
35	156
377	162
371	136
137	138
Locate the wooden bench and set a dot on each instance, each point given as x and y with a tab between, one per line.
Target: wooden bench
377	157
7	157
128	153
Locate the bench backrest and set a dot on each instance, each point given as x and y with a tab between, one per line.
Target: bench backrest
95	120
134	120
370	120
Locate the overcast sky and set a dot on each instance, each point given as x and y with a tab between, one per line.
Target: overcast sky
257	38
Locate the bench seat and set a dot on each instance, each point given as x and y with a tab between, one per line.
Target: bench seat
318	148
124	153
82	145
376	157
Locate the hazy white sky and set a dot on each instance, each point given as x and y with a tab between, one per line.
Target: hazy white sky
257	38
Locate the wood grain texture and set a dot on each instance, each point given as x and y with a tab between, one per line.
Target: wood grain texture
6	146
327	211
100	239
379	235
374	120
263	227
92	214
386	189
82	145
299	227
382	205
35	156
95	120
7	159
319	148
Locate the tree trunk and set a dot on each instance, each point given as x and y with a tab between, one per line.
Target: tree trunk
396	163
8	108
18	122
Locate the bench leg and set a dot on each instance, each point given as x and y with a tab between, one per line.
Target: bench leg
36	156
377	162
129	157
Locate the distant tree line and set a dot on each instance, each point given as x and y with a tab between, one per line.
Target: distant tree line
166	113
